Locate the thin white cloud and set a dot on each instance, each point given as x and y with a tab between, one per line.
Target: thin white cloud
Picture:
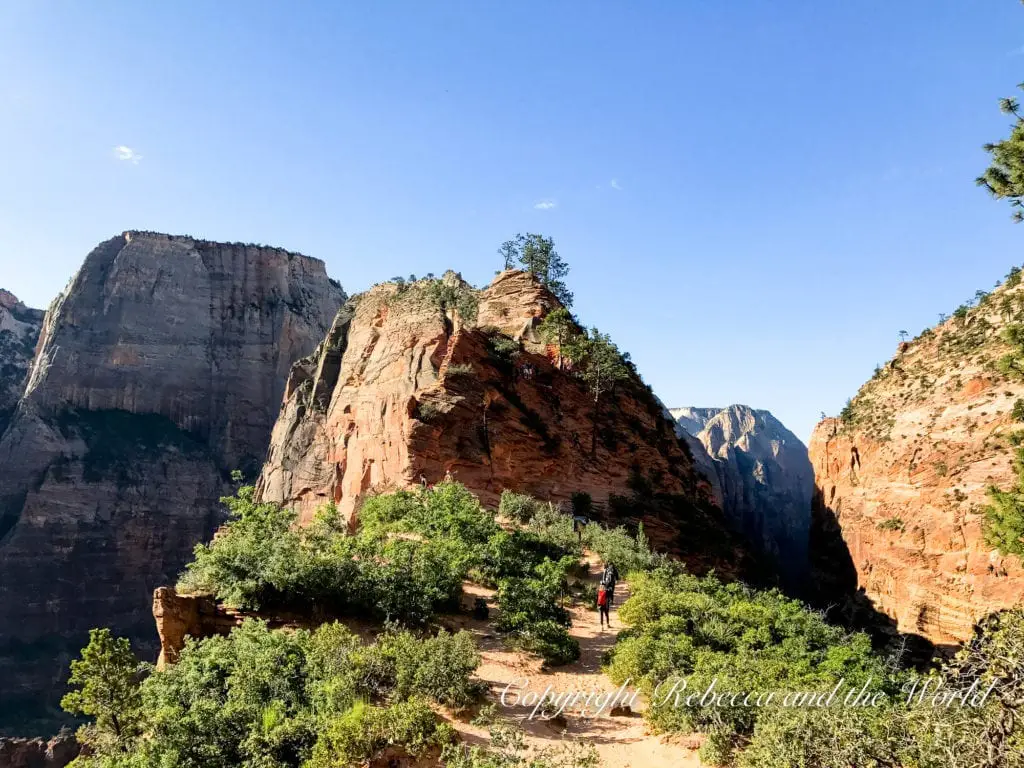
614	184
545	205
127	153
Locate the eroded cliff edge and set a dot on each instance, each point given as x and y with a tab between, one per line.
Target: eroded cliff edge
19	334
159	371
901	478
402	392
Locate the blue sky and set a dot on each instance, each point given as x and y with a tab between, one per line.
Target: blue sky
754	197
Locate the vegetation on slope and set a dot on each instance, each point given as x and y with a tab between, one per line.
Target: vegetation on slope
322	698
688	635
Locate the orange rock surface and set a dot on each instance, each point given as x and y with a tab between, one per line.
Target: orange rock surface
402	393
901	483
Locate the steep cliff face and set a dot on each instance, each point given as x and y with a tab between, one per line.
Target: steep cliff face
160	369
19	333
901	478
763	478
401	392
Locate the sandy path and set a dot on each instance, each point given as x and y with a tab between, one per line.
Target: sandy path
622	740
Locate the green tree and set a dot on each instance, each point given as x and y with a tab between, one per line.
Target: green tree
558	328
598	361
537	255
1004	516
107	683
1004	178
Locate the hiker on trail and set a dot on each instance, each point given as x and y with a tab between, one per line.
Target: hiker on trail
609	578
604	605
578	524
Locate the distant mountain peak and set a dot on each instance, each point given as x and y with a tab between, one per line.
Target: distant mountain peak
763	476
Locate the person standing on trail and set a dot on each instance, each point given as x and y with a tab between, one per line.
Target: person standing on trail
609	578
603	606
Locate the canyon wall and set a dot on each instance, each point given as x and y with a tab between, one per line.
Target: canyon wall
159	370
901	478
763	478
403	391
19	334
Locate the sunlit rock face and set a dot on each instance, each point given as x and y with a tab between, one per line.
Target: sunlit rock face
160	369
762	477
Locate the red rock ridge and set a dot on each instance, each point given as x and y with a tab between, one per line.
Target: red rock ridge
900	486
401	393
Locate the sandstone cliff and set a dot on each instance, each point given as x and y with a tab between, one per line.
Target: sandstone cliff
19	333
160	369
402	392
901	478
37	753
763	478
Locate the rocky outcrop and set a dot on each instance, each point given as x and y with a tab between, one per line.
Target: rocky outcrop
762	477
901	479
160	370
19	333
403	392
179	617
38	753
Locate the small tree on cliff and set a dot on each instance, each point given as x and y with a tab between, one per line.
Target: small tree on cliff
1004	178
107	678
559	328
598	361
537	255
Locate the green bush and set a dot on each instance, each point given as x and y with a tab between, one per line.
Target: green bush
366	731
277	698
399	665
531	616
698	630
520	507
1017	412
1003	523
406	562
890	524
616	545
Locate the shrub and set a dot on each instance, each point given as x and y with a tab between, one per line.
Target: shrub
890	524
504	348
699	630
1017	412
280	698
520	507
616	545
530	614
261	559
399	666
365	731
1003	523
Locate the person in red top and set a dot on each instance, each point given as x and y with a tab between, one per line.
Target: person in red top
604	603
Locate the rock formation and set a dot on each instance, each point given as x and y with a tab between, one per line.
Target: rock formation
19	333
402	391
38	753
762	477
159	371
901	478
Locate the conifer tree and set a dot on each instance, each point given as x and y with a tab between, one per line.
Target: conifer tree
1004	178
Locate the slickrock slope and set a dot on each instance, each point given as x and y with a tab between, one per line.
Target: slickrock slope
160	369
764	478
401	393
901	479
19	332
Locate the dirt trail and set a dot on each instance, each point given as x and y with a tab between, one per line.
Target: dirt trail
621	741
